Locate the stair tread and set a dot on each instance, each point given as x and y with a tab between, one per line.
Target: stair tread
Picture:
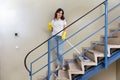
114	46
114	41
102	43
114	36
97	53
111	30
89	63
63	75
90	56
74	66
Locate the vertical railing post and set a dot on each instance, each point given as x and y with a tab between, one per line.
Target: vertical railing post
30	71
49	71
106	34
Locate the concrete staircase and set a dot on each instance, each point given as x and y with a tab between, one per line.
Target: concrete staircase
79	67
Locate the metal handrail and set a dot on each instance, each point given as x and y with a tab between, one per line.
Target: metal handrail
25	60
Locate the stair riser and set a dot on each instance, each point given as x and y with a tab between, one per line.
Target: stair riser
101	44
90	56
99	48
63	75
114	41
116	34
79	62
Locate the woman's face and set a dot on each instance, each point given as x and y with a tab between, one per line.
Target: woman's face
59	14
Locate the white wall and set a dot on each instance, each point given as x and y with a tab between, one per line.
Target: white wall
108	74
29	19
118	70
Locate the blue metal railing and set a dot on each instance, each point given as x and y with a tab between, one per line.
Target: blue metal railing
106	33
68	38
77	32
105	41
25	60
89	48
49	67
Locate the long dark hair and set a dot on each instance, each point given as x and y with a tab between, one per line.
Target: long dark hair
58	10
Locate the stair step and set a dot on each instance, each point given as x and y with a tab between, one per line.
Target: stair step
91	63
90	56
94	42
111	30
97	53
114	36
63	75
75	68
99	48
87	63
114	41
79	61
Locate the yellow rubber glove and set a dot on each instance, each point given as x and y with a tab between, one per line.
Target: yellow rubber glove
49	26
64	35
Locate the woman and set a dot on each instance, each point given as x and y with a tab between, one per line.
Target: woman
58	24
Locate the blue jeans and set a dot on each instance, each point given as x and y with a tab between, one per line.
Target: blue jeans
58	51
